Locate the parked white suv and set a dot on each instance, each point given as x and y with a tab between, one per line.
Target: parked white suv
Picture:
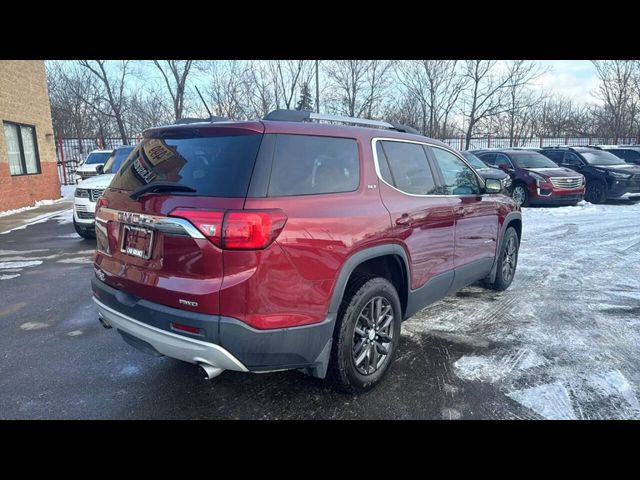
88	191
88	168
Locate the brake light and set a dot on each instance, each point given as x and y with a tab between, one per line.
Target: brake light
209	222
236	229
102	202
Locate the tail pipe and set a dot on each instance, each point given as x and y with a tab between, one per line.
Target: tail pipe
210	371
103	322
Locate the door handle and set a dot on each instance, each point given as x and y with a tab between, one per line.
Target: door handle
405	220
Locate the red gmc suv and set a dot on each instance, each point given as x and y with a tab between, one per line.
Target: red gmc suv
288	244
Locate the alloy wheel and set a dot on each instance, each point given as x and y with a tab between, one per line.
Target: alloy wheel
372	336
519	195
509	259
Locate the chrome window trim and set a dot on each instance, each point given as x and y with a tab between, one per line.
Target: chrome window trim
428	144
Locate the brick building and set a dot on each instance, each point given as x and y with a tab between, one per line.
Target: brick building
28	171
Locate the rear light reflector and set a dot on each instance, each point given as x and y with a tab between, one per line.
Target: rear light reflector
185	328
236	229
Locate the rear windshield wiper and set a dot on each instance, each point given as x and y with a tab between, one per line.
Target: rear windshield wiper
160	187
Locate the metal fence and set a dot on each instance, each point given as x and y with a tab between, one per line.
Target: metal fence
71	152
536	142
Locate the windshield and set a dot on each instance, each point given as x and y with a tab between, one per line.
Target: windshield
532	160
474	161
116	159
600	157
99	157
213	166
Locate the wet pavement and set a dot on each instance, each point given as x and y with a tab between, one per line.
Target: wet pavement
560	343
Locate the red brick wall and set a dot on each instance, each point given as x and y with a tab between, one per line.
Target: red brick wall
25	190
24	98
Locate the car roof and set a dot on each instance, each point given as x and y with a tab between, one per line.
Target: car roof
100	151
299	128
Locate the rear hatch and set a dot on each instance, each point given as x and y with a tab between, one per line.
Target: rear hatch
157	222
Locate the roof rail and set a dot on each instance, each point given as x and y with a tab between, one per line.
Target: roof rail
184	121
301	116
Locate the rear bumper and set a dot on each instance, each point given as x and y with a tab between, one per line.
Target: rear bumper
171	344
224	342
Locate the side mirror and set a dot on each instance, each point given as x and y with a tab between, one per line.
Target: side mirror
505	168
100	169
492	185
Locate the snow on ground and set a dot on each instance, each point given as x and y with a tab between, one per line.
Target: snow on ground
66	192
563	340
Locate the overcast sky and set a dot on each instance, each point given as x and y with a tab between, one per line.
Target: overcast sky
575	79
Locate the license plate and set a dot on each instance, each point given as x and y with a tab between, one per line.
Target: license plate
137	241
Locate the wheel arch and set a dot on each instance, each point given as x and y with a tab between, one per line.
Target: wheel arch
388	261
513	219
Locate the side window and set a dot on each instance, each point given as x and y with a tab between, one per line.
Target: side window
459	179
305	164
489	158
409	168
570	159
554	155
502	161
383	165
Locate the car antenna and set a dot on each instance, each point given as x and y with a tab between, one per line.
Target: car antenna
205	103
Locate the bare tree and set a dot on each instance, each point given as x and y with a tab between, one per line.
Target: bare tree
226	88
175	73
359	87
112	92
259	91
618	91
436	86
287	77
520	99
485	93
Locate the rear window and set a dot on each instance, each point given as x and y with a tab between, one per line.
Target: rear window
214	166
118	156
94	158
304	165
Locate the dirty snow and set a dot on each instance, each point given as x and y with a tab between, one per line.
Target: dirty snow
563	340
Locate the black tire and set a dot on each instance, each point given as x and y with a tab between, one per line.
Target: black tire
357	305
525	194
84	232
507	260
596	191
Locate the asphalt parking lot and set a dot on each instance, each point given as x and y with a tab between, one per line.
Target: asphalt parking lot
561	343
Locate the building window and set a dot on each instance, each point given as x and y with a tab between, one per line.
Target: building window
22	148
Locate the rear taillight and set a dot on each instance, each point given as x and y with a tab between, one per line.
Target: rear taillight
209	222
102	202
236	229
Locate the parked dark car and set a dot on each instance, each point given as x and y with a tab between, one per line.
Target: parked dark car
608	177
628	153
489	171
536	179
286	244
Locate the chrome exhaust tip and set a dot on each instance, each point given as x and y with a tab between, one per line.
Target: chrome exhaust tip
104	323
210	371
